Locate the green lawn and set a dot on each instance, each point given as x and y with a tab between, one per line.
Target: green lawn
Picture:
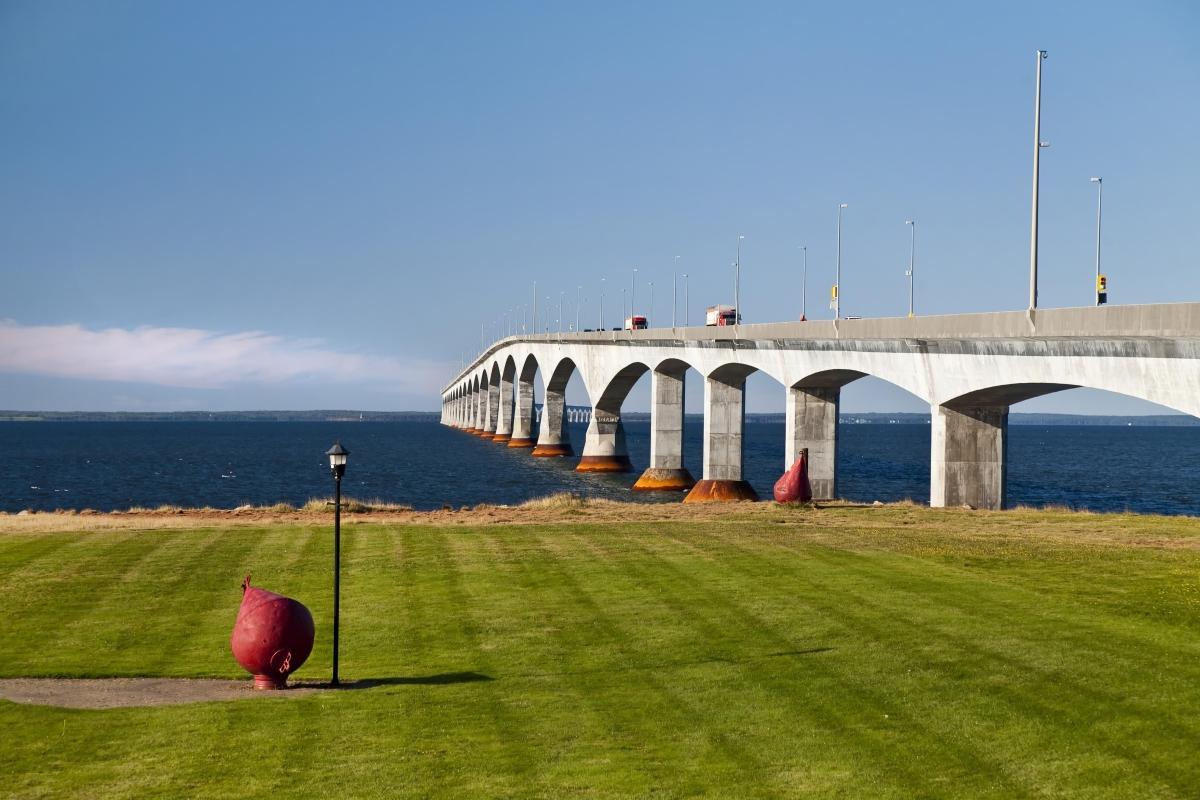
876	653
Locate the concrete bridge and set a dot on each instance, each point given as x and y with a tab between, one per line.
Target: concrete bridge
970	368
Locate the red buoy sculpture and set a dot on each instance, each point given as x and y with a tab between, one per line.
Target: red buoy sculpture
273	636
794	487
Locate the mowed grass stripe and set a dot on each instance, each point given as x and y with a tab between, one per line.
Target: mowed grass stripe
997	673
76	588
630	660
710	604
867	615
662	713
882	722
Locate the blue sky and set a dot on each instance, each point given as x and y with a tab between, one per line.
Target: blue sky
293	205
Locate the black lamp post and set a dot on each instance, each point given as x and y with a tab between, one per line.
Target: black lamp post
337	465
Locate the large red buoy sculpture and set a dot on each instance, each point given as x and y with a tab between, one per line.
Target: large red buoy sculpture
794	487
273	636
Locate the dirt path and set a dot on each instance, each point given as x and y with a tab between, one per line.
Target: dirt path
128	692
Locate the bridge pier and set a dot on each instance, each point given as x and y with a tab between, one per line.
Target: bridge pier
522	422
493	409
968	456
604	447
811	419
552	438
473	412
666	471
724	418
504	422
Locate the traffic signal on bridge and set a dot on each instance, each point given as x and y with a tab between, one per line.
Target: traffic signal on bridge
1101	289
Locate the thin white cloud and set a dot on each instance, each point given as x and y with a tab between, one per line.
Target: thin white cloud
188	357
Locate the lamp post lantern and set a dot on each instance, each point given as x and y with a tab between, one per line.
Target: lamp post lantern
912	254
337	465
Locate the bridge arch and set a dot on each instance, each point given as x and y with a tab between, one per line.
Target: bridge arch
969	438
552	439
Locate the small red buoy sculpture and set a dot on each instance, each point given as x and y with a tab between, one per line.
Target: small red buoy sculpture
273	636
794	487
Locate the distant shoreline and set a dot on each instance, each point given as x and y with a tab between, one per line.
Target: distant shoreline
350	416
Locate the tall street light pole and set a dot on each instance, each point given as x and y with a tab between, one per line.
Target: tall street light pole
560	299
674	300
337	465
650	314
737	283
912	254
1038	144
633	294
1099	207
578	305
602	304
685	299
534	318
804	285
837	286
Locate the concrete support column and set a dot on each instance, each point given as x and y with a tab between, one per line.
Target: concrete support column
666	471
604	447
522	423
724	417
493	410
477	398
504	422
552	435
812	422
969	455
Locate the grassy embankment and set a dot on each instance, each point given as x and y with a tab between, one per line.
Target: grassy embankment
597	652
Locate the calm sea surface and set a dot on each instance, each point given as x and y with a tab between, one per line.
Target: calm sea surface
115	465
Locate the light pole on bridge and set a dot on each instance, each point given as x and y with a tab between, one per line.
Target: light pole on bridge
1101	285
578	304
633	296
674	300
602	304
912	255
737	283
804	284
685	299
650	313
1038	144
837	286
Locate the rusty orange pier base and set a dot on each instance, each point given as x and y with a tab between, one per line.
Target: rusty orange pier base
501	437
604	464
664	480
519	442
720	491
553	450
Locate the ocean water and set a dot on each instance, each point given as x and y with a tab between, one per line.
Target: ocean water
116	465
